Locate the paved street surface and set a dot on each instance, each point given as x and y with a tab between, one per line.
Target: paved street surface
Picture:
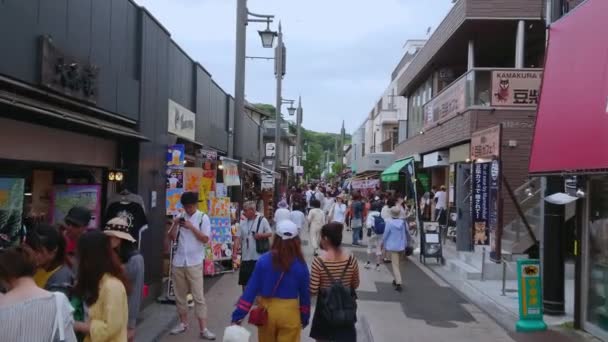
427	310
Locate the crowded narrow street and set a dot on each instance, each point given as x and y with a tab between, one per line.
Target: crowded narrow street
313	170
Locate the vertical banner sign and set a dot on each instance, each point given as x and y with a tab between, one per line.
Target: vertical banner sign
11	208
174	179
530	296
231	174
494	203
479	203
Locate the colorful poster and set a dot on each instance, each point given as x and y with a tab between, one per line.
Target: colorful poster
11	209
176	155
173	204
494	214
231	174
192	179
204	194
221	238
64	197
175	178
220	207
480	203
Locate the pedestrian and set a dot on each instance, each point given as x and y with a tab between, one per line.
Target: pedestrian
133	262
297	216
48	248
253	240
386	215
75	224
280	281
441	199
316	220
309	195
357	221
336	265
27	312
103	286
320	196
191	230
375	240
338	211
282	212
394	241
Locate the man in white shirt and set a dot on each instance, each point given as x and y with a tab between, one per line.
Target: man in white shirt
441	199
192	230
251	229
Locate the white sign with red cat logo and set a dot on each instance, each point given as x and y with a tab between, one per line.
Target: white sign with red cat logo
516	88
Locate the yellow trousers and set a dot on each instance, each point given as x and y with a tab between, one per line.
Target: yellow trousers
284	323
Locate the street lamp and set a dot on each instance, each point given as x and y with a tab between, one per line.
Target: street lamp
291	109
243	17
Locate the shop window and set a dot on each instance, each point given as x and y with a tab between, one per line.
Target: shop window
597	292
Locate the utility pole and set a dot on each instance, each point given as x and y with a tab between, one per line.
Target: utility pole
239	76
299	133
279	72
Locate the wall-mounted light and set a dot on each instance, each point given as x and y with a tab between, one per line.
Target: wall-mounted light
468	160
220	167
116	176
580	193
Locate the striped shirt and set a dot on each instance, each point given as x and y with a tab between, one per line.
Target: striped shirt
319	278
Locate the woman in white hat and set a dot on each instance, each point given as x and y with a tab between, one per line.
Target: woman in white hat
125	246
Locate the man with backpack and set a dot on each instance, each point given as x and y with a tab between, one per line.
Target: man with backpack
375	228
253	239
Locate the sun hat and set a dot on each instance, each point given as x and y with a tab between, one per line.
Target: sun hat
395	212
287	230
118	227
78	216
283	204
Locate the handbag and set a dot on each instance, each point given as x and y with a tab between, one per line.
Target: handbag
259	315
262	245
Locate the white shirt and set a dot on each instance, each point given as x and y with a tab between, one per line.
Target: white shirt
190	250
329	202
339	213
309	194
441	197
281	214
248	229
298	218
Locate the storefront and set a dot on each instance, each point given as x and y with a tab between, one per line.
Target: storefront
567	146
438	166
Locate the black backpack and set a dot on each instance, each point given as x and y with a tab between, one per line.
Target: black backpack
339	304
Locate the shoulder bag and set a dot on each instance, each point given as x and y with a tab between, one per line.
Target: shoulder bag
259	315
261	245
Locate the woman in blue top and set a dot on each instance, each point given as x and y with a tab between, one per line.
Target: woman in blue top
395	241
281	280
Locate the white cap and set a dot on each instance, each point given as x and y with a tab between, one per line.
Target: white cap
287	230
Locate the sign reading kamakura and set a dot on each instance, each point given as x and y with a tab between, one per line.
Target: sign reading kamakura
515	88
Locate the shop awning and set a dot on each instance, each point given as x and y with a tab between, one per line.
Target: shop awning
258	168
572	120
22	103
391	174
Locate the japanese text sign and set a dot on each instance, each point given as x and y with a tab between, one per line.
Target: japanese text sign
486	143
515	88
448	103
480	203
530	296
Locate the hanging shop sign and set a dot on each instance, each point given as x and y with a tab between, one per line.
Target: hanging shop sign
515	88
439	158
530	296
360	184
208	154
271	149
494	210
11	209
231	173
66	74
480	203
485	144
298	169
448	103
181	121
176	155
267	181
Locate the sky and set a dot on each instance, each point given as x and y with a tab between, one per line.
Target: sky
340	53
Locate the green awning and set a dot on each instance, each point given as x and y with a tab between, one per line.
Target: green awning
391	174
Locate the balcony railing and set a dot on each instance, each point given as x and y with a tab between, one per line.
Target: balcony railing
389	144
483	87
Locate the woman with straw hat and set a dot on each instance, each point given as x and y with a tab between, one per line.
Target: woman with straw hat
125	246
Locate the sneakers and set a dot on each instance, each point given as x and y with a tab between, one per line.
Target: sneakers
180	328
367	265
378	267
398	288
207	335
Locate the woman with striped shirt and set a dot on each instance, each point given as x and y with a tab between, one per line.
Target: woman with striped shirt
341	265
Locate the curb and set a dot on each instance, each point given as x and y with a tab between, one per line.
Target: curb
366	329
